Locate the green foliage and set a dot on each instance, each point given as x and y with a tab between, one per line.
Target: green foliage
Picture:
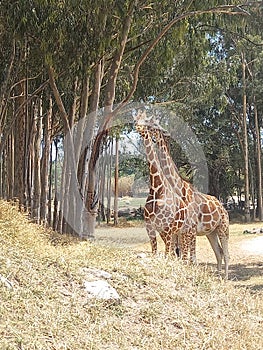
133	165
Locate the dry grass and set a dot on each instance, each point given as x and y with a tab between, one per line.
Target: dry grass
164	304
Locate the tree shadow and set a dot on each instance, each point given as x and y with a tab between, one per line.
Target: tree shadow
250	273
244	272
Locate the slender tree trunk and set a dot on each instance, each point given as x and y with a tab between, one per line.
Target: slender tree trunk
27	134
61	196
36	178
245	142
102	215
45	163
28	156
259	164
252	192
102	179
116	182
11	166
109	177
19	135
50	187
56	211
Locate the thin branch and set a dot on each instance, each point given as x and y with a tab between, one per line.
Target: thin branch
23	80
220	9
17	113
238	35
58	99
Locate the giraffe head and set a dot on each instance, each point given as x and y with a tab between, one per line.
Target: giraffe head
150	125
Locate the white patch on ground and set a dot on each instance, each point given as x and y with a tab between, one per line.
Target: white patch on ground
253	246
100	290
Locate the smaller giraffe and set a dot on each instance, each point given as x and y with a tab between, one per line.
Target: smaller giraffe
202	214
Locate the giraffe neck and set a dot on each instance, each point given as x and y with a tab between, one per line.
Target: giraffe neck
157	179
168	166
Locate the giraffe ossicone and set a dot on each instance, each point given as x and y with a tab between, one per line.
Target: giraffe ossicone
175	208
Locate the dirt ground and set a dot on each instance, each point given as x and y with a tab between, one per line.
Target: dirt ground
246	260
246	251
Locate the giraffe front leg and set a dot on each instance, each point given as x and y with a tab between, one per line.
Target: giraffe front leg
184	246
175	245
166	237
152	236
188	245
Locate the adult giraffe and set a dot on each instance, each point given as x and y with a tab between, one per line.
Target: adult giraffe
185	212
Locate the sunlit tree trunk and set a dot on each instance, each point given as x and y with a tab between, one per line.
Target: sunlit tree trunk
50	187
116	181
109	177
56	200
10	167
102	180
45	163
37	125
259	164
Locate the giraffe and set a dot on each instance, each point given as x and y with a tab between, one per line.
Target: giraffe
203	214
163	212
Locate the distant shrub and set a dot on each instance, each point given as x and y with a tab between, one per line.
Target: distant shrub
125	186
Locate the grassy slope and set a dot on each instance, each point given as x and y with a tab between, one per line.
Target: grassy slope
164	304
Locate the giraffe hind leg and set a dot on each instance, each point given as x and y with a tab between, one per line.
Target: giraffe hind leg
213	240
223	237
192	247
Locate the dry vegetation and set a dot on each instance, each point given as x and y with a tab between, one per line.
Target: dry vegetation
164	304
